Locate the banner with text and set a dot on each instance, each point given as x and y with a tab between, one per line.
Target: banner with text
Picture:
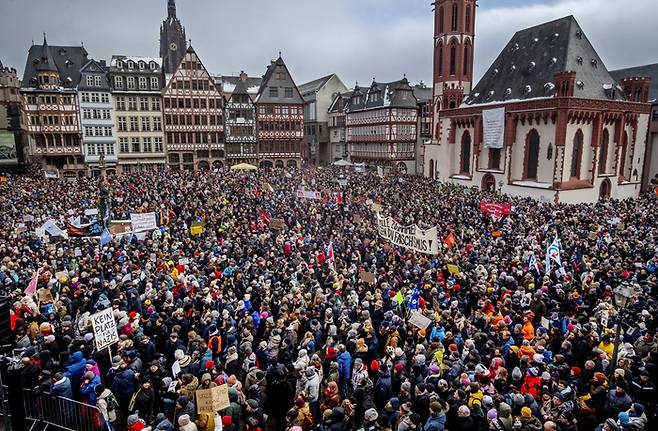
143	221
493	122
309	194
498	210
105	328
422	241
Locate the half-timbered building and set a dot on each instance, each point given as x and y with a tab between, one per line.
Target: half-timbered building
280	118
50	108
547	120
194	117
240	125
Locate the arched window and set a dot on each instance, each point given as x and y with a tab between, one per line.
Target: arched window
431	168
453	25
439	60
603	152
624	145
576	154
442	20
465	161
453	58
531	155
466	58
467	28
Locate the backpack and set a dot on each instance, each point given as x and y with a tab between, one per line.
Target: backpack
112	403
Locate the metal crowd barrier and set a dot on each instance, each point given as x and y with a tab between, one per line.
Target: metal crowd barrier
62	412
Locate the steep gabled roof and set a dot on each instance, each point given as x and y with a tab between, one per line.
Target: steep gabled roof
649	70
241	89
396	94
334	104
67	60
310	89
526	67
270	79
229	83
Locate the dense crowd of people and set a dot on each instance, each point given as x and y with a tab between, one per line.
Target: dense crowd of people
286	317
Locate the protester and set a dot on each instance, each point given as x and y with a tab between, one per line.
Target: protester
309	318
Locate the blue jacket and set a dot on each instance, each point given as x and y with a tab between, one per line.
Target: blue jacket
344	364
88	390
435	423
123	384
75	369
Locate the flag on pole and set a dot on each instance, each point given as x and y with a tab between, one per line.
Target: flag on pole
414	301
450	240
553	254
264	217
339	198
533	263
106	237
329	253
399	298
252	224
32	286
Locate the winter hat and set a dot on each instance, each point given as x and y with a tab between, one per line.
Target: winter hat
227	421
179	354
638	409
299	402
370	415
526	412
183	400
492	414
516	374
533	372
310	372
116	361
132	420
374	365
611	424
623	417
88	376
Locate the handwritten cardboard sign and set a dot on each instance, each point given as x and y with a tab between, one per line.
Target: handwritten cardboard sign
368	277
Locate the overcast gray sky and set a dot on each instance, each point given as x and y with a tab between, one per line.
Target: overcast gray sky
357	39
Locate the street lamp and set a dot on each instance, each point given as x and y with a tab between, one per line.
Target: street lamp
623	294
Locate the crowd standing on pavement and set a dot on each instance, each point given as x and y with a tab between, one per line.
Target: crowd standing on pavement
303	340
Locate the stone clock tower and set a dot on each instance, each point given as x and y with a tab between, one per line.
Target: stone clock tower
172	39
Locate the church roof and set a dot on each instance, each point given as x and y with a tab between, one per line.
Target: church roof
526	67
67	60
648	70
270	80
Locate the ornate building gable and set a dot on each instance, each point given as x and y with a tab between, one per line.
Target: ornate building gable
278	87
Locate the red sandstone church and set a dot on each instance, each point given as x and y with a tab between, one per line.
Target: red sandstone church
547	120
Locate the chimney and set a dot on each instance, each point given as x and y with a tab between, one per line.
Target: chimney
565	83
243	76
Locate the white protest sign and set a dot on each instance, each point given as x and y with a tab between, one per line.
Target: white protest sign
143	222
342	182
545	323
175	368
422	241
309	194
91	211
419	321
105	328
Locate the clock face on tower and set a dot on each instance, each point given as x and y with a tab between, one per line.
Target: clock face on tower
173	46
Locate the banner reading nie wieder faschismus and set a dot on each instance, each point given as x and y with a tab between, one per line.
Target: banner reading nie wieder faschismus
423	241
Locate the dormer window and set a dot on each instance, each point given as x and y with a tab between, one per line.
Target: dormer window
142	65
595	63
153	65
119	64
579	60
131	65
374	96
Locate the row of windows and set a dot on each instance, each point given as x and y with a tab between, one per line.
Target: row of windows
288	92
52	120
242	131
453	59
145	103
247	114
56	140
95	149
282	126
194	137
280	110
192	103
94	81
95	97
132	124
142	65
49	100
454	19
96	114
192	84
193	120
141	145
98	131
310	130
141	83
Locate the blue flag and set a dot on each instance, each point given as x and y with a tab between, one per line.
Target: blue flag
414	300
553	253
533	263
106	237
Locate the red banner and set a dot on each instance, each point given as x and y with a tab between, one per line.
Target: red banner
498	210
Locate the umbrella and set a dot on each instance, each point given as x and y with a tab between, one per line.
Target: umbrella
244	167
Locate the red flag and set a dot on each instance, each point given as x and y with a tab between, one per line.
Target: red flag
325	199
252	224
264	217
32	286
330	254
339	198
450	240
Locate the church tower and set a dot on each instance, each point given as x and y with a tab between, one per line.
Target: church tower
454	34
173	44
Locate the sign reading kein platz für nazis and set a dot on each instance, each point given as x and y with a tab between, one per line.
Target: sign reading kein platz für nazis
105	329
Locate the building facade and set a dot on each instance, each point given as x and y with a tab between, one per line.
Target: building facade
12	136
97	118
318	96
336	123
279	119
194	117
639	74
173	43
546	121
50	108
240	125
382	125
136	84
